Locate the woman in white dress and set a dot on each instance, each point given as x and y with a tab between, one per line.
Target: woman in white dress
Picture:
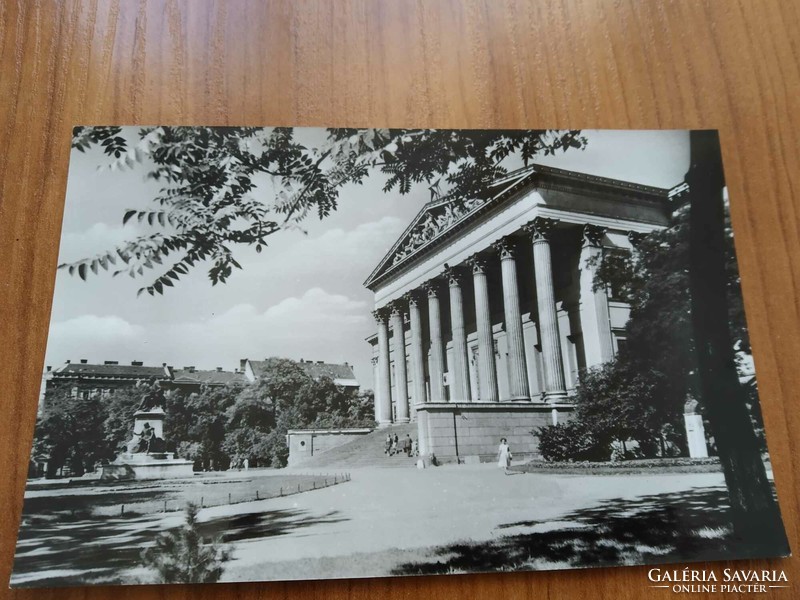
504	455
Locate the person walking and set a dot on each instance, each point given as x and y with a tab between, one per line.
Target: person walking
388	445
504	455
407	445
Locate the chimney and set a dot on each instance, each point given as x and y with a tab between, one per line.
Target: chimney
110	362
242	362
190	369
67	361
163	364
302	361
49	368
320	362
84	361
137	363
219	369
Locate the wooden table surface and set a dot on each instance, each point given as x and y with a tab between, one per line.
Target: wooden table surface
615	64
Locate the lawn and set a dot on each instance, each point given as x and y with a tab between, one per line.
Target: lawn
57	521
165	496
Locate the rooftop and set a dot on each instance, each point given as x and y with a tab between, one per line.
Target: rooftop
315	370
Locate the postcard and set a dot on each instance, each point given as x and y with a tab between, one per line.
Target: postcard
301	353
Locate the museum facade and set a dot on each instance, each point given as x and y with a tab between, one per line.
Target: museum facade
487	309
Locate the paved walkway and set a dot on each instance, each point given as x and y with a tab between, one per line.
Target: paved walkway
404	510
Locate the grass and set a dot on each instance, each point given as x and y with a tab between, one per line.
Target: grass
165	496
658	529
666	528
81	536
624	467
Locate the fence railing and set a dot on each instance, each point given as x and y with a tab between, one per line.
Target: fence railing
211	498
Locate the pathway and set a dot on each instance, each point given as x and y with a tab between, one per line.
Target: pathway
409	510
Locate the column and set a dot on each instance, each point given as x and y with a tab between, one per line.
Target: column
400	373
459	372
375	377
555	389
437	346
597	345
517	368
384	383
487	369
417	354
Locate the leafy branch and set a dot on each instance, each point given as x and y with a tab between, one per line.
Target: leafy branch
227	187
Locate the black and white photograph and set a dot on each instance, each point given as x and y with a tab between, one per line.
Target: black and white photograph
281	353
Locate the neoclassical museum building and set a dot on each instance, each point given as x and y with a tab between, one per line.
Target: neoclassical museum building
487	309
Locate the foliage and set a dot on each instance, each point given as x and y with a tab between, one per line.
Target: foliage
70	431
570	441
213	196
183	556
654	280
297	402
197	424
248	422
215	427
120	408
641	395
620	401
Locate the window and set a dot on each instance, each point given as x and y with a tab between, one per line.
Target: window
620	344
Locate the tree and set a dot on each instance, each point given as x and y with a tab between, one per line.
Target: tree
756	517
298	401
70	431
655	280
196	424
207	205
618	402
120	407
248	422
183	556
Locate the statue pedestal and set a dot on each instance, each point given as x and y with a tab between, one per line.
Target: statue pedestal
153	417
147	465
161	465
696	436
695	430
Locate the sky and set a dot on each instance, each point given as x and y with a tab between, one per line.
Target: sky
301	298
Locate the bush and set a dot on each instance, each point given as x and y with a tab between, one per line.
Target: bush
183	556
571	441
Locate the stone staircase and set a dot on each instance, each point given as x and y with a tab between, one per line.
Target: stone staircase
366	451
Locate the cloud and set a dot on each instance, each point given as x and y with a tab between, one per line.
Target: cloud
315	325
95	327
361	245
291	317
98	238
337	258
94	337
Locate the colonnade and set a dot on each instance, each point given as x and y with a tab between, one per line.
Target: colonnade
538	241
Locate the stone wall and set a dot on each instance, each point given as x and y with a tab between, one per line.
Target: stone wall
471	431
305	443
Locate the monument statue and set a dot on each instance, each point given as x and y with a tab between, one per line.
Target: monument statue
153	399
146	455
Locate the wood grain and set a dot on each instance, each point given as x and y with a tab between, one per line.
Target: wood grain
618	64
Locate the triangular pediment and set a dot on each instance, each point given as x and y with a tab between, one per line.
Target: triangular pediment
437	220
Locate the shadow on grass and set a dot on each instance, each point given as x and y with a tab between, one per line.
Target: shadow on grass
64	552
68	507
686	526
